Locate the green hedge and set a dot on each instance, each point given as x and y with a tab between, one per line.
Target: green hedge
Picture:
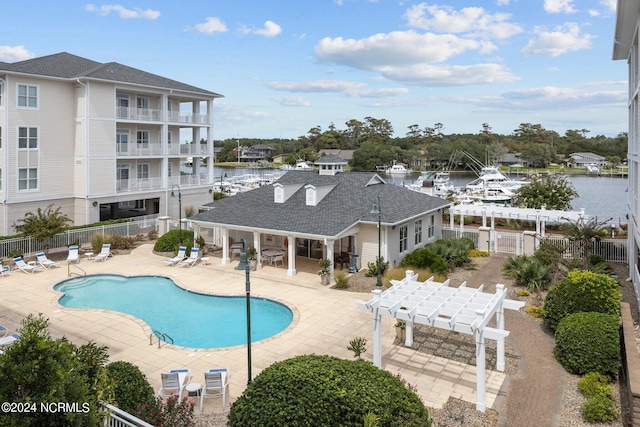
130	387
581	291
589	342
317	390
170	241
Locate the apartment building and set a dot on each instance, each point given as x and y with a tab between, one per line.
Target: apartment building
100	140
626	47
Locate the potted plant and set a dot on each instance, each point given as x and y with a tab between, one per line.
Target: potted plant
324	270
251	257
401	330
200	242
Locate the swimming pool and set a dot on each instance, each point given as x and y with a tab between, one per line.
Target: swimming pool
191	319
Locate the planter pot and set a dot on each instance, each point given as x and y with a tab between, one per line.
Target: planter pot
401	334
253	263
325	279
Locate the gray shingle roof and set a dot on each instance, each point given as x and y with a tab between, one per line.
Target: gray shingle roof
67	66
349	202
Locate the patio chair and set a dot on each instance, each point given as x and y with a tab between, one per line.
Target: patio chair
191	261
4	270
74	256
104	253
174	383
216	384
45	262
24	267
279	258
8	340
182	254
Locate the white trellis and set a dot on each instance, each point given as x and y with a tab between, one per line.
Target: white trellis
461	309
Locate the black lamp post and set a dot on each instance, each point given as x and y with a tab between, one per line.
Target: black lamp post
376	210
179	210
244	265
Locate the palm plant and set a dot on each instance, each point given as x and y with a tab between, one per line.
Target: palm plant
528	271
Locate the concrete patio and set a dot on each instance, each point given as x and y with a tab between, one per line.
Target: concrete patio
325	320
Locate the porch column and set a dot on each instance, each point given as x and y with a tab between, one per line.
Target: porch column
461	224
291	255
408	334
481	378
329	245
256	245
377	329
225	245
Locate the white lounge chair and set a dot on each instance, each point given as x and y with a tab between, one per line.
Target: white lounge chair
104	253
174	383
216	383
46	262
191	261
4	270
74	256
24	267
8	340
182	254
3	331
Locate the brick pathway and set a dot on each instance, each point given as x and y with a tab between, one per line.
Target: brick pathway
532	397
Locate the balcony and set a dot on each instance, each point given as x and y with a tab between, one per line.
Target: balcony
156	149
155	183
151	115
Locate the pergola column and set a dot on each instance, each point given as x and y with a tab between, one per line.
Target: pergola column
377	329
225	246
500	326
481	375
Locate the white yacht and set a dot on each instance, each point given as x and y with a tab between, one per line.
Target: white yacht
397	169
491	176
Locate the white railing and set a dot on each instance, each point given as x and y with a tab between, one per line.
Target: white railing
142	114
81	236
124	185
119	418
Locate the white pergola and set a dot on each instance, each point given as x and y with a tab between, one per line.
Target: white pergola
461	309
540	216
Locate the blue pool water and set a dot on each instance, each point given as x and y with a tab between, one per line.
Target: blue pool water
191	319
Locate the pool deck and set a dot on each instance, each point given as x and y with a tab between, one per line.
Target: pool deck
325	320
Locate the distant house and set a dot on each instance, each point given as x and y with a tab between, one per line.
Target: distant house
510	159
314	216
343	154
256	153
581	160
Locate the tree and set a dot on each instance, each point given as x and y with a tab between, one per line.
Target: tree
40	369
43	225
585	235
551	191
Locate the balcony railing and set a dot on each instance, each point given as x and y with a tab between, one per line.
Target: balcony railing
151	115
156	149
128	185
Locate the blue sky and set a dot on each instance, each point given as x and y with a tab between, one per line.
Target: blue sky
286	66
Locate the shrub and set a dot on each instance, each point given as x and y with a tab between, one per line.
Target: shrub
97	240
425	258
169	241
528	271
475	253
131	388
122	242
589	342
581	291
593	384
170	413
342	280
534	311
326	391
599	409
379	265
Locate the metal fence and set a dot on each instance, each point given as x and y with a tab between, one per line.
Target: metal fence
612	250
81	236
454	233
119	418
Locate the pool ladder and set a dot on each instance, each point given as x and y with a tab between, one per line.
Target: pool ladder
71	273
161	337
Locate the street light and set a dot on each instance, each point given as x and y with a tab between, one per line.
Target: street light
376	210
244	265
179	210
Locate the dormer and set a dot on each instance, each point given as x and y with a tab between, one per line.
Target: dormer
281	193
314	195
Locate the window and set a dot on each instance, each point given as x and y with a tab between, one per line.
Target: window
0	179
0	137
143	139
122	106
431	229
27	179
404	238
142	171
1	94
27	138
122	141
418	232
27	96
169	138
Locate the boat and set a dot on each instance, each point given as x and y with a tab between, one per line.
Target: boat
397	169
301	165
593	169
492	176
493	194
439	182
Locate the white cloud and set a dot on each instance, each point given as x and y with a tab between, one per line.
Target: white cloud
609	4
271	29
316	86
565	38
15	54
593	13
450	75
292	101
503	2
212	25
378	93
559	6
471	21
398	48
135	13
